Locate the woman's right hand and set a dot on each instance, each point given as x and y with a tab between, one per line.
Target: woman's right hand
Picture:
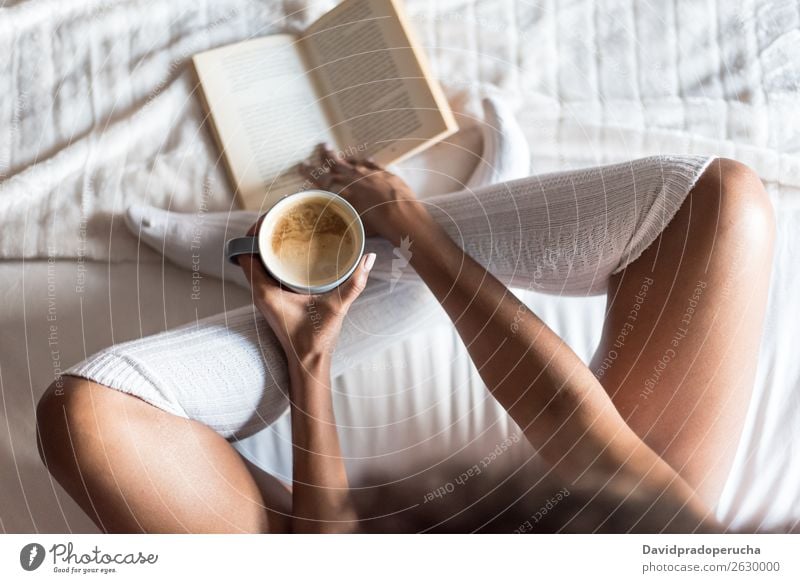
387	204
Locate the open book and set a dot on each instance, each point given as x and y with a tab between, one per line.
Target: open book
355	79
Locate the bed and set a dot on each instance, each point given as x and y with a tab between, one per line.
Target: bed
99	113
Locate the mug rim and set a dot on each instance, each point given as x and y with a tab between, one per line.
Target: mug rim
333	284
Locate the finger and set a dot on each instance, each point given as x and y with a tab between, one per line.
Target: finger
331	168
317	176
345	177
320	151
357	162
353	287
309	172
316	173
327	157
260	281
325	181
373	165
251	232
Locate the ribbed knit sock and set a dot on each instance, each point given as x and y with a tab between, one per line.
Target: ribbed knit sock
193	241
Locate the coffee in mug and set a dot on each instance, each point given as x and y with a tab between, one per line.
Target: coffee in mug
310	242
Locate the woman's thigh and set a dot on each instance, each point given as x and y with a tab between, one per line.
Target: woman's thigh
681	338
135	468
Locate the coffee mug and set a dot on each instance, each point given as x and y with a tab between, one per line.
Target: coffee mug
311	241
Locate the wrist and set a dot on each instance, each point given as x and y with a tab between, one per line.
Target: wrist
312	364
310	384
404	218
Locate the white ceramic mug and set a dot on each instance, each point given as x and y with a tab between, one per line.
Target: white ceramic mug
258	244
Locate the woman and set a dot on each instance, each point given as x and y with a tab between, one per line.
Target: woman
681	244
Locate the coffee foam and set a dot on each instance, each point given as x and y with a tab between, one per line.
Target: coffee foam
310	242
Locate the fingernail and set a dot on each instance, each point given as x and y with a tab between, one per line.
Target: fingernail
369	261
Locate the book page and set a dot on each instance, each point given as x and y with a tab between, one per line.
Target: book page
265	113
375	82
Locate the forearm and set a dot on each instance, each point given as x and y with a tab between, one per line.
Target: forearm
526	366
320	497
561	406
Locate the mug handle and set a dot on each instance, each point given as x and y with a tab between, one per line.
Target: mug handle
241	246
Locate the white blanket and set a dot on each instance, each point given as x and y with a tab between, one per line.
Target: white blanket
100	105
98	112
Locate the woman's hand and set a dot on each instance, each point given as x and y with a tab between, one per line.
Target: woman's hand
307	326
385	202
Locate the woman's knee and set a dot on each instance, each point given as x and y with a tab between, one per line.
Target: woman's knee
732	195
51	415
62	416
732	213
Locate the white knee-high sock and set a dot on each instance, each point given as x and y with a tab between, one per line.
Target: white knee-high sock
192	241
564	232
506	154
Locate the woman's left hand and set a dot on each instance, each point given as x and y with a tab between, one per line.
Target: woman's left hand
307	326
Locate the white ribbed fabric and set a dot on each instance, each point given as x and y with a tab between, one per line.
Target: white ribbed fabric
565	233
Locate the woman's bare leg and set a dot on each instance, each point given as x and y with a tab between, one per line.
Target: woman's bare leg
145	470
681	337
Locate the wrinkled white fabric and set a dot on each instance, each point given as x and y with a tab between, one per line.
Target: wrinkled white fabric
99	104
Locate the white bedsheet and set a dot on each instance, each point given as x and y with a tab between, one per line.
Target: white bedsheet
99	113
